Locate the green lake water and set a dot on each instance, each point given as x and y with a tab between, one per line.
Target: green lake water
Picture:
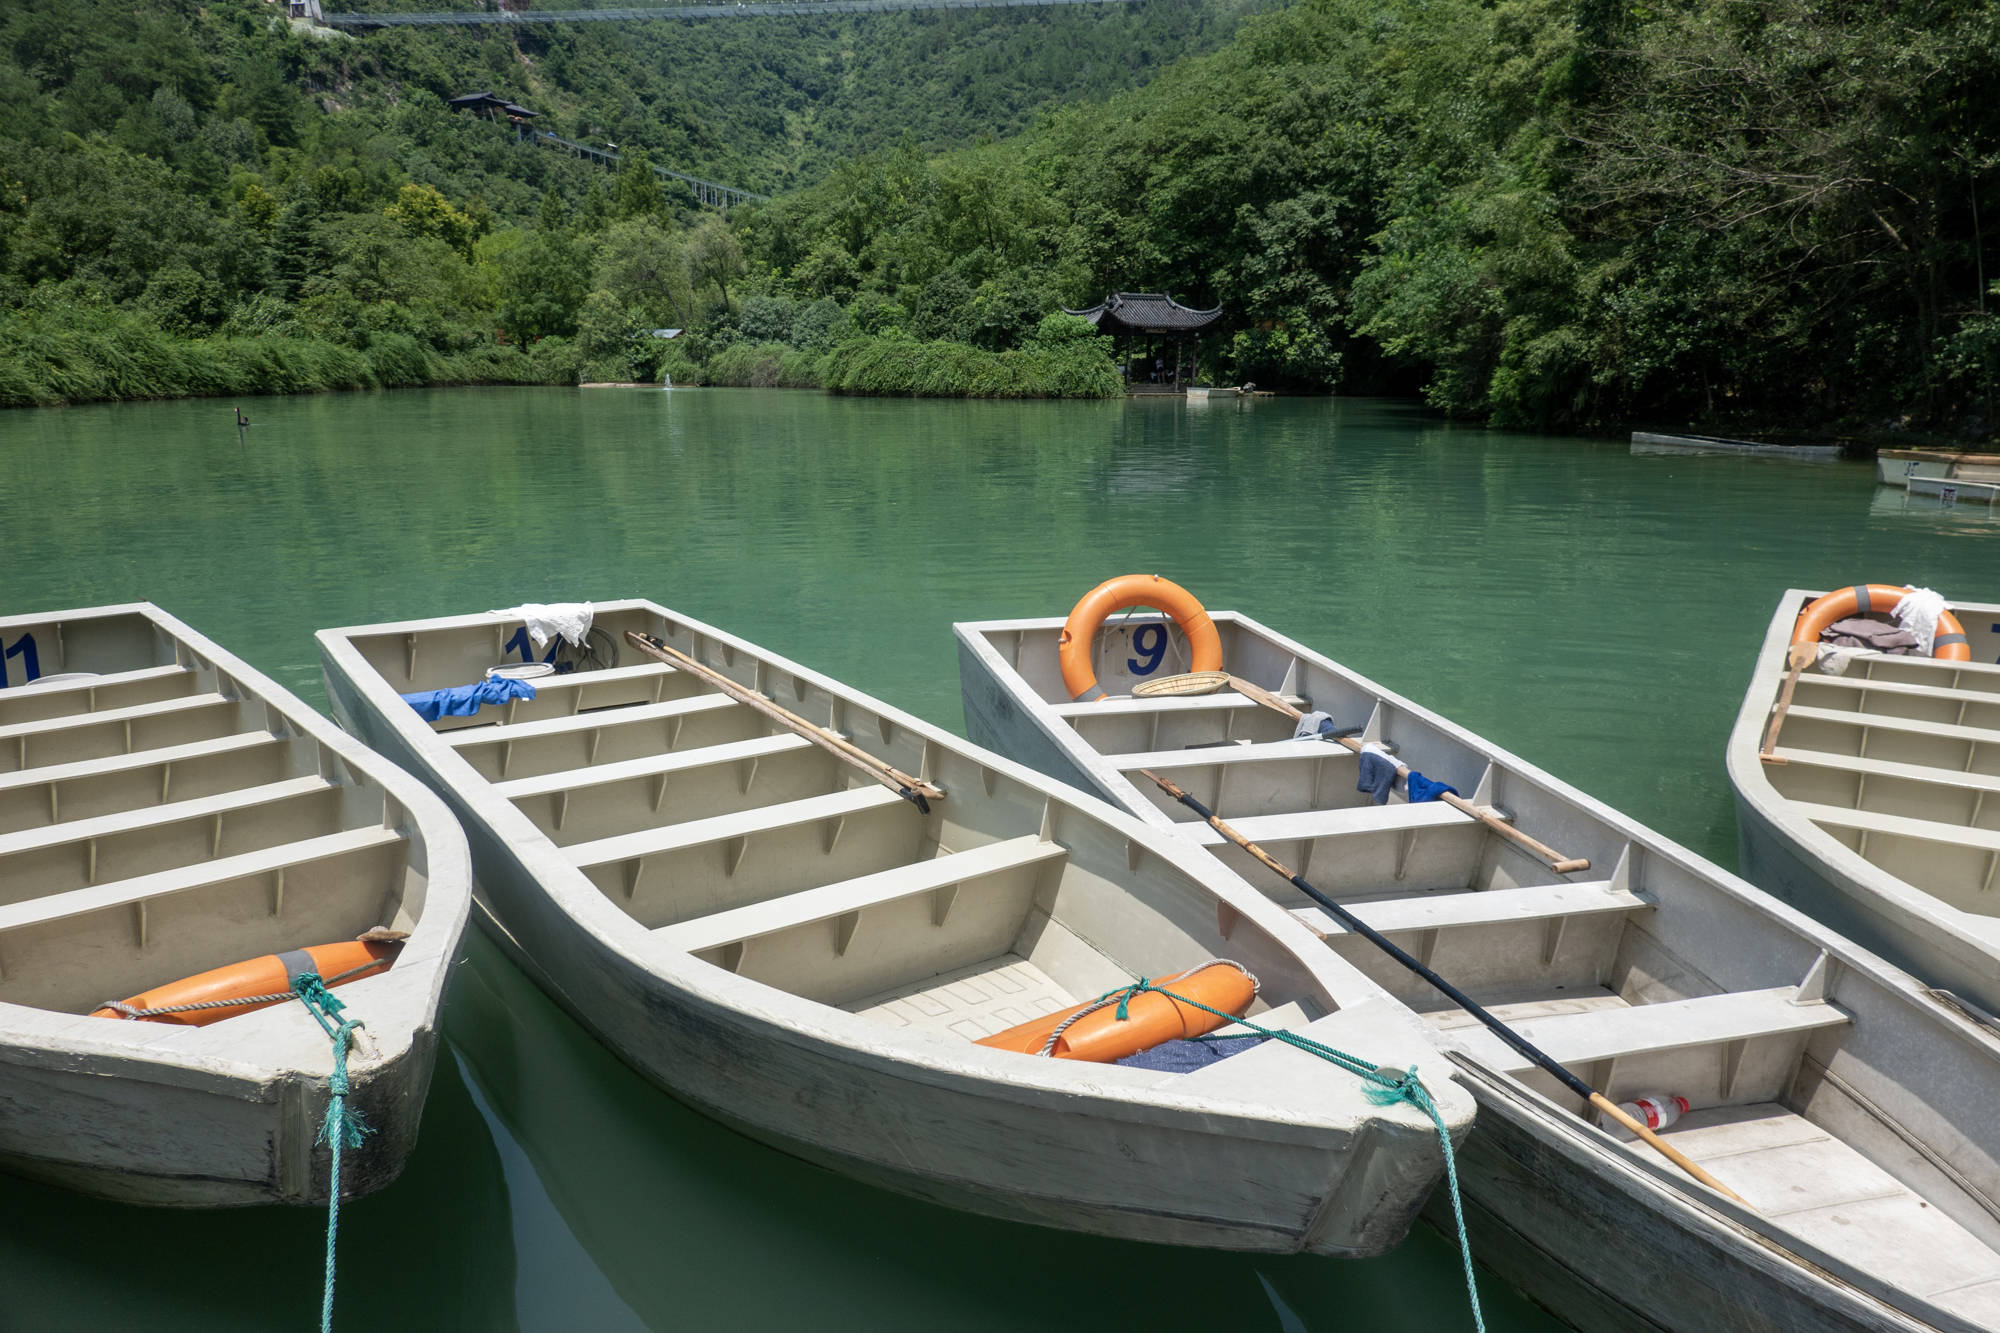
1594	612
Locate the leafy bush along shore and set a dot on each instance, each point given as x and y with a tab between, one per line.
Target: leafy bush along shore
71	356
79	355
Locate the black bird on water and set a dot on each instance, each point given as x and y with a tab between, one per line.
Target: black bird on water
241	420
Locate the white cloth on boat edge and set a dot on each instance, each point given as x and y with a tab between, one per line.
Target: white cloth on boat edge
1918	613
545	621
1835	661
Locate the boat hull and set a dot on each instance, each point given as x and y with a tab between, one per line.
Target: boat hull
138	1135
1792	858
228	1114
1124	1168
1600	1239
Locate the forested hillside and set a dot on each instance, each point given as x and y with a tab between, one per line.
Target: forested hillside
1538	212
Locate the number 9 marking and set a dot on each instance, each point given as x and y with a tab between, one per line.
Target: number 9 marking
1154	651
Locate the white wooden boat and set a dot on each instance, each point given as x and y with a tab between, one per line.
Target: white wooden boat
1879	811
1941	474
1646	442
1853	1113
166	810
802	953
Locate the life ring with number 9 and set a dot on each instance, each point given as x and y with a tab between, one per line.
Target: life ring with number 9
1948	645
1079	633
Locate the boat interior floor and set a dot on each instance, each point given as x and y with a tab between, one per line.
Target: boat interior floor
1822	1190
970	1002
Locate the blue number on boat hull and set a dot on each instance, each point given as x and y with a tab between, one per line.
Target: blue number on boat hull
1153	651
31	665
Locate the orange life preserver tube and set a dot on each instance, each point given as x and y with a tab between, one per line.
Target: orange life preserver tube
1862	598
1150	1018
268	975
1079	632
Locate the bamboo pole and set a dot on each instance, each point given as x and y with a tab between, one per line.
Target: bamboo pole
1797	658
912	789
1562	865
1458	997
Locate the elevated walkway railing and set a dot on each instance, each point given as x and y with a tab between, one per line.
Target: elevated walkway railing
746	9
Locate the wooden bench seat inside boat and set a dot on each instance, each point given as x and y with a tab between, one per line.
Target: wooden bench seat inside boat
1240	781
550	745
1733	1047
1956	861
120	731
1445	910
1309	825
838	942
675	872
55	793
1889	737
298	890
1127	726
76	853
1543	938
118	689
1939	781
155	823
586	804
1935	702
583	691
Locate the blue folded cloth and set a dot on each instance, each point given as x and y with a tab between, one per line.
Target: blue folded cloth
1378	775
465	700
1423	789
1184	1057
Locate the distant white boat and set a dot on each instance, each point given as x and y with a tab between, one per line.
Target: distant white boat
1851	1109
1948	476
1879	808
806	954
166	810
1646	442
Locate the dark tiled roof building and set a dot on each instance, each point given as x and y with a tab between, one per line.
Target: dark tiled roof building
490	106
1146	312
1157	338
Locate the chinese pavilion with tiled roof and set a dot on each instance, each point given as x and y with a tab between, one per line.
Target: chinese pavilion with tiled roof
1164	325
490	107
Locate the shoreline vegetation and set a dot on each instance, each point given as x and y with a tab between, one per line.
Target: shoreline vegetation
1559	215
109	355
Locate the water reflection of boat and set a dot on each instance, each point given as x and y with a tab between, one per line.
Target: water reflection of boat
810	959
1897	502
1847	1107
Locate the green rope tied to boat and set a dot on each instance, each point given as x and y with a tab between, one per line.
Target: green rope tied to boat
1386	1087
343	1127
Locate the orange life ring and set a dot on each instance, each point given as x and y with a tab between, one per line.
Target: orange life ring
268	975
1862	598
1150	1018
1079	632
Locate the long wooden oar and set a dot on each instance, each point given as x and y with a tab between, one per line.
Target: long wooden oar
1562	865
914	790
1797	658
1451	992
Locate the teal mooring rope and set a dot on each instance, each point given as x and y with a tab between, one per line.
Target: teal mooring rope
343	1127
1386	1088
